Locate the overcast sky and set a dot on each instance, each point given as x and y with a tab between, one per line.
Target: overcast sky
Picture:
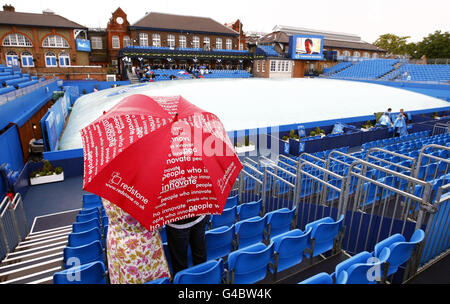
367	19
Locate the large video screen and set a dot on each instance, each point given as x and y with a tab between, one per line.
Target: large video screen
306	47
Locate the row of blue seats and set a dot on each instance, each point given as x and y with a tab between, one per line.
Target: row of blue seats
249	264
389	141
374	267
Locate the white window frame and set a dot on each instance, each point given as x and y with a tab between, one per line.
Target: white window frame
207	42
66	60
218	43
97	43
196	42
52	56
17	39
55	41
115	42
126	41
171	41
156	40
143	39
229	44
27	56
241	46
14	58
182	41
273	65
262	66
257	65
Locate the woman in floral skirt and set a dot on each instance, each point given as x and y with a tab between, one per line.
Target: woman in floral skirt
135	255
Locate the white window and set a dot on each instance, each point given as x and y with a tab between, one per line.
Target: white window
356	54
50	60
126	41
64	60
196	42
55	41
16	40
375	55
182	41
366	55
171	41
156	40
143	39
241	46
12	59
27	59
273	65
346	53
206	43
115	42
229	44
257	65
262	65
219	43
97	43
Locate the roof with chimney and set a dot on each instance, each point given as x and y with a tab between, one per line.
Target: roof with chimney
170	22
47	19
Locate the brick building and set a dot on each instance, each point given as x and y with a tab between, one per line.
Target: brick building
46	45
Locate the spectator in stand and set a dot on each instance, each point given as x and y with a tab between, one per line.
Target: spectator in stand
400	124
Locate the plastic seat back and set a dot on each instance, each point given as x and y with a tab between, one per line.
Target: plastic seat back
92	201
73	256
227	218
87	216
83	238
289	248
249	265
279	221
250	231
84	226
219	242
320	278
90	273
164	280
249	210
324	231
231	201
210	272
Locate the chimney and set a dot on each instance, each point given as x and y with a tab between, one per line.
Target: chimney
8	8
48	12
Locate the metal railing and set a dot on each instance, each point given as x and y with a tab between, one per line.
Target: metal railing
440	128
13	224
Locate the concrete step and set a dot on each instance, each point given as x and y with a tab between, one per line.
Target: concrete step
40	243
30	262
41	277
11	259
17	254
44	238
48	233
30	270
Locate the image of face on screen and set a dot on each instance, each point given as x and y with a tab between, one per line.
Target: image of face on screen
308	46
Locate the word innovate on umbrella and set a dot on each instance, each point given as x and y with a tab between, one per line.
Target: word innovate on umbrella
160	159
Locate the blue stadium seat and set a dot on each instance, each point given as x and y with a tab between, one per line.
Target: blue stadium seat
362	268
231	201
219	242
209	272
400	249
250	231
227	218
83	238
279	221
84	226
87	216
248	210
250	264
289	248
164	280
323	234
320	278
91	201
90	273
73	256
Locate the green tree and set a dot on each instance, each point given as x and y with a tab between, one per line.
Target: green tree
392	43
436	45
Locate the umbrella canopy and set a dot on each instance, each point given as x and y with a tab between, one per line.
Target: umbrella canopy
160	159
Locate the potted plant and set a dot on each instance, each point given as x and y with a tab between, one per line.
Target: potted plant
367	126
246	147
47	174
435	115
317	132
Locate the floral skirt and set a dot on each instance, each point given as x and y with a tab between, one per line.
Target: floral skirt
135	255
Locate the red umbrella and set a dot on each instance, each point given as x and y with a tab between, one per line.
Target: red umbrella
160	159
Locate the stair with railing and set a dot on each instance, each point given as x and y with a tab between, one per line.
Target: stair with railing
31	259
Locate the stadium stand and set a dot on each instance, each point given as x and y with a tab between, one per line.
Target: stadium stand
337	68
419	72
225	74
367	69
